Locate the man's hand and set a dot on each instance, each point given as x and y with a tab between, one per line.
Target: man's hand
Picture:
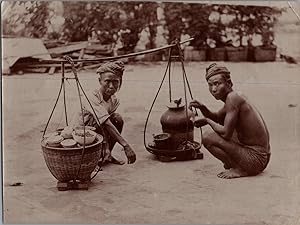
129	154
196	104
199	122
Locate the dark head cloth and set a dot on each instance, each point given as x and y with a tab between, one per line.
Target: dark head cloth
214	69
115	67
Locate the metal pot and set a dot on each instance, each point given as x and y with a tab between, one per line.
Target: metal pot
177	122
161	140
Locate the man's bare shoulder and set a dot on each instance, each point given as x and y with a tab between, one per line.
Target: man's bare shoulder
234	99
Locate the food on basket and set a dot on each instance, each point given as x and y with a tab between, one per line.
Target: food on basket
54	141
68	143
51	134
79	134
67	132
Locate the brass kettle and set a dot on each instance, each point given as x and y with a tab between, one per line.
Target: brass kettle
177	121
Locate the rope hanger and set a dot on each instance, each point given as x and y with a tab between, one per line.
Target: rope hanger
186	85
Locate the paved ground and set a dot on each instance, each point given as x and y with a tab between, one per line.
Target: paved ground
151	191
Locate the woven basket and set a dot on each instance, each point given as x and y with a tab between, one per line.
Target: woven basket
64	163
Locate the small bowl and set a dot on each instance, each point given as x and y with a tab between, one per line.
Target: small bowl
54	141
78	136
67	132
161	140
51	134
68	143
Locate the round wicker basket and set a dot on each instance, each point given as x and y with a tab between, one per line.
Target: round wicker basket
64	163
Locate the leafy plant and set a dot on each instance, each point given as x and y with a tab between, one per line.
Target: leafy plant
82	18
265	18
26	19
174	23
139	16
196	17
110	21
251	20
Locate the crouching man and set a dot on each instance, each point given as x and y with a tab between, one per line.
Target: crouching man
105	104
240	138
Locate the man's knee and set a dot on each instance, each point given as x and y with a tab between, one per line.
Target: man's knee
208	138
117	120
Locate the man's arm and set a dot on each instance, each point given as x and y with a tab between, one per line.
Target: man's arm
103	117
112	130
218	117
114	133
232	110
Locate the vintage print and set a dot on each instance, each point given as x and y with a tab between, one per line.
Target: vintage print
151	112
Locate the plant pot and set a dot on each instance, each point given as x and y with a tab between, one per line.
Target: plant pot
265	53
153	57
237	54
191	54
216	54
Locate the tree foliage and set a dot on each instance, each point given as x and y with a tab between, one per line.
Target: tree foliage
174	23
197	23
33	17
140	16
82	18
111	21
251	20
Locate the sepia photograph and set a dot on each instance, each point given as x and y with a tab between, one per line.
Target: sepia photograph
150	112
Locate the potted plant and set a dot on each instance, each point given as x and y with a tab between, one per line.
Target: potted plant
236	51
267	51
196	23
216	50
216	35
265	18
174	22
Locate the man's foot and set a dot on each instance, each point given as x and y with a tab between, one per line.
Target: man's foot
227	167
232	173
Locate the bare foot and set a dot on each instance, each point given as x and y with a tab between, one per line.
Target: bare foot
227	167
232	173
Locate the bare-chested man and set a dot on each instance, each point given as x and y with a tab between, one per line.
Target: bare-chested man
240	138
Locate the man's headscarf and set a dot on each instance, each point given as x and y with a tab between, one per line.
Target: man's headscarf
115	67
214	69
